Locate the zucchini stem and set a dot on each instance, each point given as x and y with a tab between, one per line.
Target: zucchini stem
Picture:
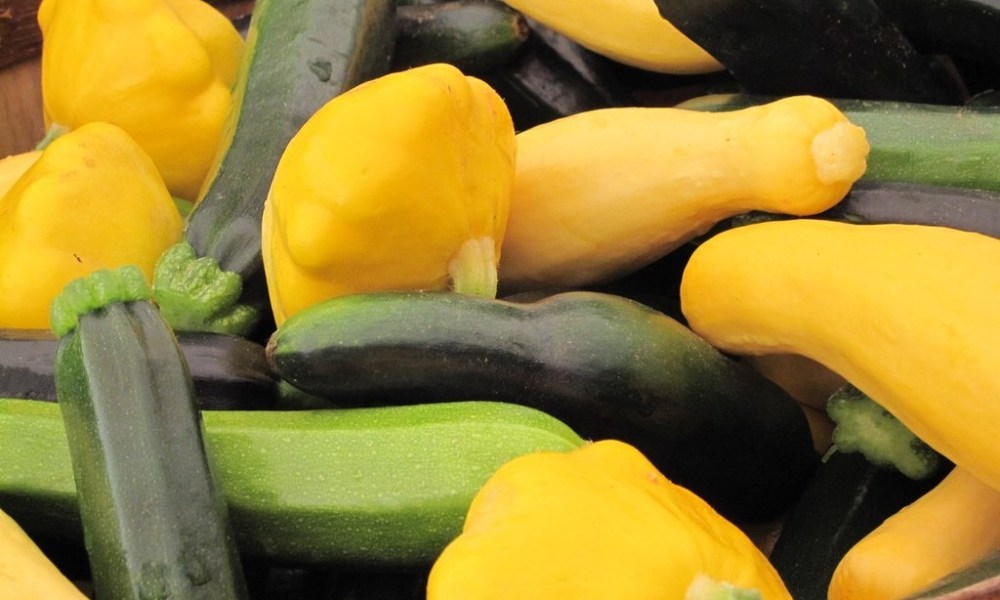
196	294
862	425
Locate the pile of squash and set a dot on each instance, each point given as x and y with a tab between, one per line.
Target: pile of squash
471	299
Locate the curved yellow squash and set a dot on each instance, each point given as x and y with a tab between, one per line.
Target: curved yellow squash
907	313
631	32
25	572
948	528
601	193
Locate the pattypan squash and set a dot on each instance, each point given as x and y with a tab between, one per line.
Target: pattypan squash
92	199
162	70
401	183
598	522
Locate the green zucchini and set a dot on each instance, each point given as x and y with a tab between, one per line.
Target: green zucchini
229	372
844	49
473	35
298	56
607	366
386	486
846	498
953	146
541	84
154	521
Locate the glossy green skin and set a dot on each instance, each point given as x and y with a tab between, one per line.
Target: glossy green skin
473	35
910	142
606	366
962	28
155	524
379	487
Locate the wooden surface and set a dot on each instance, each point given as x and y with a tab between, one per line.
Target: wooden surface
20	107
21	124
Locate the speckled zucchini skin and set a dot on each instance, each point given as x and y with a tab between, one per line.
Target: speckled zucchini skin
606	366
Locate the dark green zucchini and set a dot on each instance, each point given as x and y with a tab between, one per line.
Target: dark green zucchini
229	372
384	487
954	146
963	28
542	83
846	498
473	35
890	202
298	56
607	366
154	520
844	49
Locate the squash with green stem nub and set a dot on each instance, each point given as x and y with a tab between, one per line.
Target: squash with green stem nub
903	312
298	55
155	523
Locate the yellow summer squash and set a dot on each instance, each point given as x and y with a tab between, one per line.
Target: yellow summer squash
93	199
403	182
631	32
160	69
25	571
598	522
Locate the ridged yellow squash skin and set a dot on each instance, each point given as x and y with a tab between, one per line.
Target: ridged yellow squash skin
93	199
950	527
403	182
595	523
25	572
904	312
601	193
162	70
631	32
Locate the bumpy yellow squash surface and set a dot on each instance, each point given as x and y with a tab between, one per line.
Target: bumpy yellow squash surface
595	523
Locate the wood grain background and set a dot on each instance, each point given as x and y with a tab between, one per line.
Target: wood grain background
21	123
